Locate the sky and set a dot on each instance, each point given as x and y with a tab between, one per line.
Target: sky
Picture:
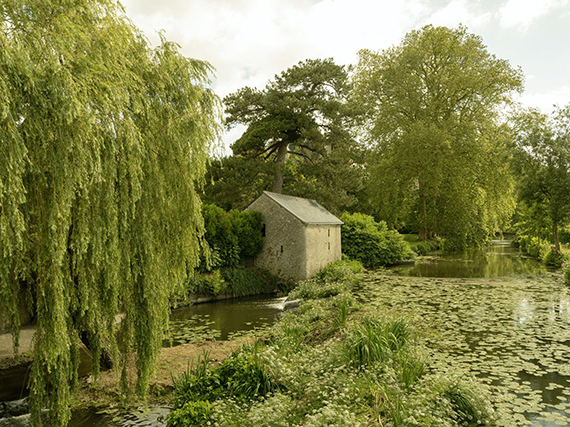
250	41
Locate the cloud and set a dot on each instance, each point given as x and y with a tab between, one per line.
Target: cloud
546	101
249	41
460	12
522	13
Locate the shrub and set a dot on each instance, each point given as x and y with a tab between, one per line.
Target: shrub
192	414
339	270
564	235
244	281
207	284
469	407
242	375
534	246
232	236
554	258
315	289
371	242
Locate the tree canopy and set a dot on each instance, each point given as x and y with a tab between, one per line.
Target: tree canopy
541	160
300	123
102	141
433	110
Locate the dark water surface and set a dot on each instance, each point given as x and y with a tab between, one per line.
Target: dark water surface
220	320
499	259
223	320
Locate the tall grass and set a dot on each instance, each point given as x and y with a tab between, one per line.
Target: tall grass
374	340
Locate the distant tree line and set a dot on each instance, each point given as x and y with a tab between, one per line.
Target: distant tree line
424	136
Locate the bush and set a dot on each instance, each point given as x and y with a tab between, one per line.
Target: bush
469	407
554	258
534	246
245	281
564	235
207	284
370	242
232	237
339	270
242	375
192	414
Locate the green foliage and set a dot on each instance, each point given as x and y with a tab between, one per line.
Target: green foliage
385	380
371	242
340	270
564	235
555	258
373	340
298	126
541	160
245	281
212	284
192	414
242	376
534	246
432	105
103	142
467	405
232	236
566	271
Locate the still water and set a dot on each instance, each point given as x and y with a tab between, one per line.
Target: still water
220	320
223	320
493	313
501	317
499	259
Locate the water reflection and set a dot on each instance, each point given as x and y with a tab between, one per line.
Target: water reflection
500	259
512	332
222	320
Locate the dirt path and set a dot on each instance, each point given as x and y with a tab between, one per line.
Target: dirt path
105	391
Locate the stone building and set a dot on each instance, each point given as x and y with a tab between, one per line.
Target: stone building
300	236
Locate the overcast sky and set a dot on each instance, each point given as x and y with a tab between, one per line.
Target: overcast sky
250	41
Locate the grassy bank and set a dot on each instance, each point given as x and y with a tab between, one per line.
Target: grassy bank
228	282
329	363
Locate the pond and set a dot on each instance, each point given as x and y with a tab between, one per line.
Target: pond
219	320
499	259
226	319
512	332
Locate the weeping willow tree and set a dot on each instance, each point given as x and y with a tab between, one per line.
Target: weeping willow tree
102	143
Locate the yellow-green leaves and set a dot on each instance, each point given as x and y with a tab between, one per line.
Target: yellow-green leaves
432	106
102	140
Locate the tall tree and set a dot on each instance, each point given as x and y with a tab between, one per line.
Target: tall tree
433	106
303	116
102	141
542	163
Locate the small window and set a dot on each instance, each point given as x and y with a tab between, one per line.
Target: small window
263	231
329	246
329	233
281	248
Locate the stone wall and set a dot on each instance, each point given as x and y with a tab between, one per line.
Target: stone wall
322	245
283	252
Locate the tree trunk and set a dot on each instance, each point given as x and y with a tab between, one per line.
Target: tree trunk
279	166
555	236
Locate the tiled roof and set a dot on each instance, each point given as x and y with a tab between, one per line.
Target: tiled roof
306	210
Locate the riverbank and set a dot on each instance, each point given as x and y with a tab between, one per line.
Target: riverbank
105	394
332	362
